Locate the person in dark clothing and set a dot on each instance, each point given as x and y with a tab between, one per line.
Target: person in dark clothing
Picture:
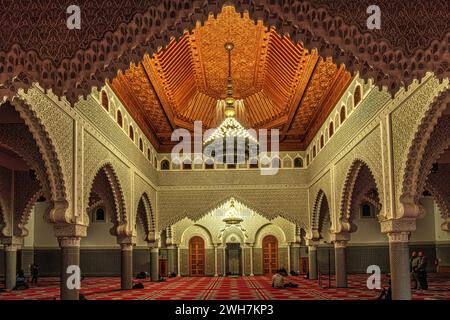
386	293
21	283
422	271
413	270
34	273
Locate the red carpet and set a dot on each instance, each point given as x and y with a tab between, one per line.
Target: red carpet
223	288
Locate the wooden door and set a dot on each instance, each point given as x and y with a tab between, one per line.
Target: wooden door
196	256
270	255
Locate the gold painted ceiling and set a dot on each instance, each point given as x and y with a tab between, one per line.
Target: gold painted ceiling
282	84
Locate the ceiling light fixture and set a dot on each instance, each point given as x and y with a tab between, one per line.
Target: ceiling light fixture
231	138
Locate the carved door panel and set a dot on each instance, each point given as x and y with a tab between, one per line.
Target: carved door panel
270	255
197	256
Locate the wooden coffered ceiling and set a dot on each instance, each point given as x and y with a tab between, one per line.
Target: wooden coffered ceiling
282	84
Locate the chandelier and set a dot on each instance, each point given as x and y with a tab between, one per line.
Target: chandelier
232	216
230	142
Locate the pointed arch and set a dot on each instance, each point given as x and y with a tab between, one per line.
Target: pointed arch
107	186
358	170
51	174
321	211
146	216
430	140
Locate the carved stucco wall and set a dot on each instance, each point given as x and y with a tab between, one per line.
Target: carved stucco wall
59	123
406	118
270	201
88	136
85	136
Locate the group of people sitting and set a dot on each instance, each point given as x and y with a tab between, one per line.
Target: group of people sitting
278	280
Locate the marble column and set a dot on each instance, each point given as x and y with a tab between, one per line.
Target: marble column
251	261
243	260
295	257
289	258
171	259
10	252
70	268
216	274
312	261
178	261
224	260
126	278
340	263
399	264
154	263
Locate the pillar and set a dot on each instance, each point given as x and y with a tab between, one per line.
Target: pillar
216	274
10	251
251	261
154	263
126	277
70	281
178	261
289	258
399	264
312	261
224	260
295	257
171	259
340	263
243	260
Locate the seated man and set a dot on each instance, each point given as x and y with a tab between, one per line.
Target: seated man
21	283
277	280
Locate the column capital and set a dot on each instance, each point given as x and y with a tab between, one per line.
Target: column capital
398	225
69	242
126	240
154	250
398	237
340	239
13	241
70	230
152	244
312	243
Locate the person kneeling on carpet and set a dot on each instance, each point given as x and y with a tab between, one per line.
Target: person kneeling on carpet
21	283
278	281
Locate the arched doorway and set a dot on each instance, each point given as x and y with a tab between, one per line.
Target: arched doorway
270	254
196	256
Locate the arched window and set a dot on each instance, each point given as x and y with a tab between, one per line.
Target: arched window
131	133
105	101
307	159
187	165
314	152
119	119
322	142
209	164
298	163
287	162
342	115
254	164
276	162
331	130
141	145
165	164
357	96
99	215
149	155
155	162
